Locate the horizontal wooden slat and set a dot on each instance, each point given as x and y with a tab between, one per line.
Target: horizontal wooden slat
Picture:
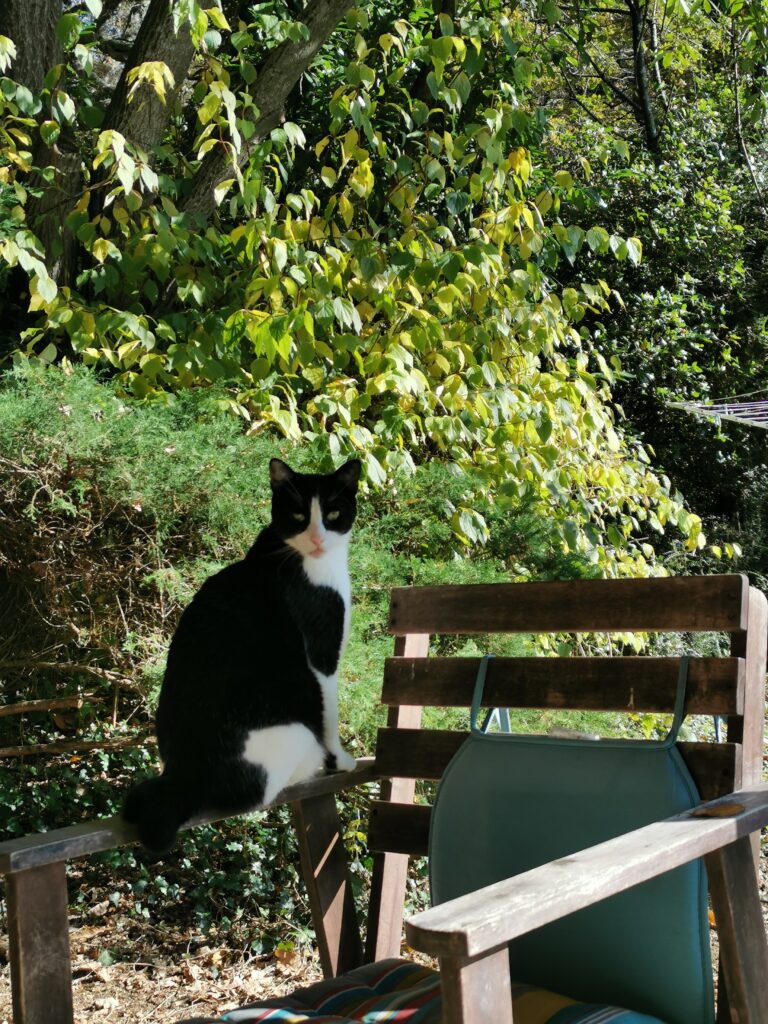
714	766
497	914
399	828
74	841
715	685
425	753
681	603
404	828
416	753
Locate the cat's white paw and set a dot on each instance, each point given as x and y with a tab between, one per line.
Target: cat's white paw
340	760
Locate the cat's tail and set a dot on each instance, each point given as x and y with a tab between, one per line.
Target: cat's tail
157	807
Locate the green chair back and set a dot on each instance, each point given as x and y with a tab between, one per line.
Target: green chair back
508	803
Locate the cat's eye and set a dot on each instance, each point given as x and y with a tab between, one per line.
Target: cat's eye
298	516
333	515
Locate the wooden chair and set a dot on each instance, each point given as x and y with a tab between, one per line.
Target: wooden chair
470	935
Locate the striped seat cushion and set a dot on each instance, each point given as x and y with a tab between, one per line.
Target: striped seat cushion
401	992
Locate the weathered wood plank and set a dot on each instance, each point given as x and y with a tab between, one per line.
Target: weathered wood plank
748	729
404	827
38	932
679	603
399	828
416	753
486	919
75	841
642	684
476	991
425	754
714	767
735	896
752	647
329	886
390	869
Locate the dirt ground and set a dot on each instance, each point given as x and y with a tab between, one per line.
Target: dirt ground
184	982
159	989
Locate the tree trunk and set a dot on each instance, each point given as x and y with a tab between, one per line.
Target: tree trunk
31	24
278	74
144	118
642	81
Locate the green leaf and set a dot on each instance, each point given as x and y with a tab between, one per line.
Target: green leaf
27	103
634	250
295	135
222	188
280	253
68	30
63	107
597	239
49	132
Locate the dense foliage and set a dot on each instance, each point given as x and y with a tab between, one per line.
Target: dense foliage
387	271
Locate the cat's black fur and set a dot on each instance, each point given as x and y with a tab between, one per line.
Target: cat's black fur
242	659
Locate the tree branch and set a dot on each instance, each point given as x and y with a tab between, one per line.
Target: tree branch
70	667
78	745
623	96
579	102
144	117
280	71
26	706
643	86
738	123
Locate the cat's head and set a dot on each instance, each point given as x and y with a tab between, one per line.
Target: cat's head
314	512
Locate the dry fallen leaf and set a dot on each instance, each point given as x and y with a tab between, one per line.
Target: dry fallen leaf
718	811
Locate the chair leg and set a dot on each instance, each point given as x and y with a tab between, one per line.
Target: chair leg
326	875
741	932
38	931
477	991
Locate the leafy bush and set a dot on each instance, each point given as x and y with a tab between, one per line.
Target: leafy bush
377	275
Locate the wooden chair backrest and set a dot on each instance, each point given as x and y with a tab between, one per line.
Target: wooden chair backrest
732	687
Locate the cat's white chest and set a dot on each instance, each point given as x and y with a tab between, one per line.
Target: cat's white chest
330	570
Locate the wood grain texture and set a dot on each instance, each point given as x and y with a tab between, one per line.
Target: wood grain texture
476	991
425	754
679	603
390	868
733	887
38	934
492	916
328	882
715	685
75	841
747	729
714	767
399	828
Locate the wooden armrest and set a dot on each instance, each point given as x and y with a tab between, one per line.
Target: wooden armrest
74	841
489	918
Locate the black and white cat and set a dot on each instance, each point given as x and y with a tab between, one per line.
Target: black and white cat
248	702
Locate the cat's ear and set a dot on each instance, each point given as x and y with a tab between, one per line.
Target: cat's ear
279	473
349	474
